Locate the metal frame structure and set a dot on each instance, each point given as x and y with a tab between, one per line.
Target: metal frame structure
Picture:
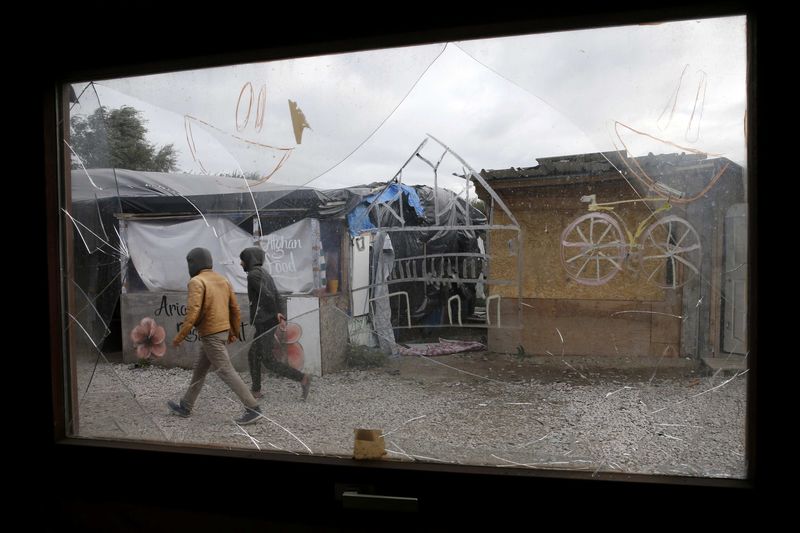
459	268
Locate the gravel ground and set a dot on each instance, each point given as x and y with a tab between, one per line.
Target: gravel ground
617	415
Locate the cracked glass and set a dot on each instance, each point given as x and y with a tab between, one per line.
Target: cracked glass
518	252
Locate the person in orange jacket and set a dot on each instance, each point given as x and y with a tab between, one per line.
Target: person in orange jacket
213	310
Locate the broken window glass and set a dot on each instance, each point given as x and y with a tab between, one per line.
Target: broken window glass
521	252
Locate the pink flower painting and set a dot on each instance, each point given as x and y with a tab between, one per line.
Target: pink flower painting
149	338
287	347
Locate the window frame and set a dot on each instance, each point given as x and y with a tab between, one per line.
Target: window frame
428	481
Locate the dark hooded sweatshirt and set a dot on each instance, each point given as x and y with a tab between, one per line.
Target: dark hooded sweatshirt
261	289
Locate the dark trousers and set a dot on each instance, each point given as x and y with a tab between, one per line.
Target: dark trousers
261	353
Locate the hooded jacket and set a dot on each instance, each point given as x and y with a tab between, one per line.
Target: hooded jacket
211	305
198	259
261	289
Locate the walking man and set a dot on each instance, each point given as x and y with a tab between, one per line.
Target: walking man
265	316
213	310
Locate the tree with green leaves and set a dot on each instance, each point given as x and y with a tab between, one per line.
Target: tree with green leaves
117	138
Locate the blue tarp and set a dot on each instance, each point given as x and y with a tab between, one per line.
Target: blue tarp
358	219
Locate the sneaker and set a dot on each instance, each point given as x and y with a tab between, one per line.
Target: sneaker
257	394
251	415
179	408
306	385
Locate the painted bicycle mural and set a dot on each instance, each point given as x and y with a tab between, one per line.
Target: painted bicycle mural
596	246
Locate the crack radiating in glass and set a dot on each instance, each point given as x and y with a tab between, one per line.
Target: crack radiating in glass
646	312
77	223
244	432
626	387
119	379
401	452
736	375
576	370
402	425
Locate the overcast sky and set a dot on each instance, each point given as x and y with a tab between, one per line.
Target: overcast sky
498	103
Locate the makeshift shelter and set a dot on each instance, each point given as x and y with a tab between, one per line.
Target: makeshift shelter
427	255
645	256
133	230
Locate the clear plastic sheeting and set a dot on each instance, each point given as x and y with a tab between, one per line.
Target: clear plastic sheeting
526	252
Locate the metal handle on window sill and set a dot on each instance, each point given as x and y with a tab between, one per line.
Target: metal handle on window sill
378	502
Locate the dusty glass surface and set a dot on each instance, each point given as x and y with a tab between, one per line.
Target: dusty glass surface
523	252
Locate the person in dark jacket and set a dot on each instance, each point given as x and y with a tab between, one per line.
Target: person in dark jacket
213	310
265	316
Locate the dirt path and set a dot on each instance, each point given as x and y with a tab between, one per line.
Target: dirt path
650	416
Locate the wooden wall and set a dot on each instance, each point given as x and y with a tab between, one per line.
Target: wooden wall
553	302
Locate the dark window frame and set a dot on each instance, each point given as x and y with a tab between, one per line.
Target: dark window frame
441	489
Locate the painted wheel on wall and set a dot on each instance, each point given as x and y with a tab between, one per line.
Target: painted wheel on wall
593	248
671	252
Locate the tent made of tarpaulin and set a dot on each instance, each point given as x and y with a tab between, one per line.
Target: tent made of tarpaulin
134	192
429	265
99	198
